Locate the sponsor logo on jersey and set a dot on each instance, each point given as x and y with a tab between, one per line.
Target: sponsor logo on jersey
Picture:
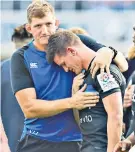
33	65
107	82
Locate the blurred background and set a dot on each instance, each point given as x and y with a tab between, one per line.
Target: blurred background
108	22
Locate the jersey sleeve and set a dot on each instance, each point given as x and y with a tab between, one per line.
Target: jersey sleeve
91	43
109	84
20	76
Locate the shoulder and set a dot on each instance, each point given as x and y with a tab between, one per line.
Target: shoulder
19	54
90	42
85	38
115	75
108	84
5	63
20	51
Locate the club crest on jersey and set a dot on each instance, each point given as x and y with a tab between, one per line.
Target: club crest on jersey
33	65
107	82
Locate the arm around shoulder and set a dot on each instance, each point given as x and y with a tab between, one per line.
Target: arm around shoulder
121	62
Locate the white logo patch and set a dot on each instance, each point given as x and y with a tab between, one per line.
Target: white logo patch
33	65
107	82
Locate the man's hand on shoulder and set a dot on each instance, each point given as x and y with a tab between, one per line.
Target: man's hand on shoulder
102	61
104	58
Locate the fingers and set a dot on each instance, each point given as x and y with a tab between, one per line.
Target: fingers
94	71
122	146
127	105
88	105
92	66
125	146
90	101
80	82
127	102
128	97
77	82
117	148
79	76
90	94
93	97
102	69
108	69
78	79
83	88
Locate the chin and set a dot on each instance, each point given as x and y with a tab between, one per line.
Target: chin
44	42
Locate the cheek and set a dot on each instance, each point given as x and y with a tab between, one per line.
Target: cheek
52	29
36	32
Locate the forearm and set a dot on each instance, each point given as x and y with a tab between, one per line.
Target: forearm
40	108
114	131
121	62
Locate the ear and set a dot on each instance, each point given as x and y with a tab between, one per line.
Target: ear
57	23
28	27
71	51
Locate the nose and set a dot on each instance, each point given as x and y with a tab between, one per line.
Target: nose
44	29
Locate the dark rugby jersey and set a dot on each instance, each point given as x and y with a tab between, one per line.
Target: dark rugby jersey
30	69
93	121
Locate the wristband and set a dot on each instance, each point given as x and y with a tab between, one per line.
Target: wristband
114	51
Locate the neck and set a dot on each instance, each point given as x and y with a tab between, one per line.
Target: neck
87	55
40	47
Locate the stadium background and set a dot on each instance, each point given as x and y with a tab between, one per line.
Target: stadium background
109	22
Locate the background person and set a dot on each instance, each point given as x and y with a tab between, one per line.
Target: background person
3	139
11	113
131	59
130	89
127	143
78	30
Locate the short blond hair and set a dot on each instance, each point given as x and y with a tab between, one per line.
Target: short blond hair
39	9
